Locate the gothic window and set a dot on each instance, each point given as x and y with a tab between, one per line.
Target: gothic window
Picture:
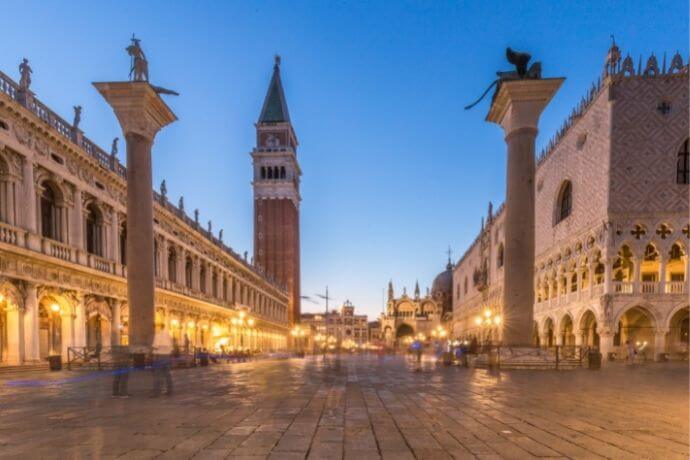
202	279
172	265
573	282
123	243
276	172
282	172
94	230
565	201
499	256
188	272
683	165
263	172
49	212
270	173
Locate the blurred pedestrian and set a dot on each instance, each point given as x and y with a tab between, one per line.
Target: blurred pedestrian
162	351
121	370
631	352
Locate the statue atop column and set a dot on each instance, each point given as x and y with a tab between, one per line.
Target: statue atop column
113	147
25	72
521	72
164	190
220	235
180	204
139	69
210	226
196	216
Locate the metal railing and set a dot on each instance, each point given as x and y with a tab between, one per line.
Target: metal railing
81	356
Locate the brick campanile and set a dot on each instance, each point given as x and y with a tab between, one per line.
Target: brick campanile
276	194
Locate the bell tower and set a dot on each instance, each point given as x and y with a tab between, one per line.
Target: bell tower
276	194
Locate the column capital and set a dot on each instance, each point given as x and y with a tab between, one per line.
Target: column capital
519	103
137	106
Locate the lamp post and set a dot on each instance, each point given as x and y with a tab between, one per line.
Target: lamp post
487	321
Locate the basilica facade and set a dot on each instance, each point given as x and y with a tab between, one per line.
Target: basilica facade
62	251
611	245
413	316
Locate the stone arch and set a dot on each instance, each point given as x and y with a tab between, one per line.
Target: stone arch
55	313
637	324
566	330
405	310
678	336
404	330
588	327
549	332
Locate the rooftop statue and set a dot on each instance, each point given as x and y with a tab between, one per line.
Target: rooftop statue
164	189
521	72
113	148
139	69
25	74
77	117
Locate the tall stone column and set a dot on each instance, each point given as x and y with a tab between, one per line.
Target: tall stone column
29	215
115	330
31	322
114	242
517	107
141	113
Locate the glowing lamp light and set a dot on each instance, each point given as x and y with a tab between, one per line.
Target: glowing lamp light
497	319
250	321
478	321
191	324
55	307
174	323
233	321
487	313
242	314
204	327
2	298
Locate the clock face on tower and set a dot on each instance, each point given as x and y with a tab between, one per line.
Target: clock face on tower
272	141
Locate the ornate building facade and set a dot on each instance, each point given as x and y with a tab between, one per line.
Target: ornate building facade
611	222
62	257
276	195
407	316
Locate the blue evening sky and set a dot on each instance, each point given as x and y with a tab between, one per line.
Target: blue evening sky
394	169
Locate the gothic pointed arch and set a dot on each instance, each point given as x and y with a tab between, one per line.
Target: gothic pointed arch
683	164
564	202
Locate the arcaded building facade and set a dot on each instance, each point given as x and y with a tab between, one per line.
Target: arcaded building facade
611	222
63	259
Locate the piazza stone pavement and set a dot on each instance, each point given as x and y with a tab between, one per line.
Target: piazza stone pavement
360	408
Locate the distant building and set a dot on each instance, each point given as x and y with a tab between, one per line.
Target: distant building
344	325
374	331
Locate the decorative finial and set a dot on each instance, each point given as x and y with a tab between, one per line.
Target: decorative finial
245	255
25	72
210	226
196	216
139	68
220	235
180	204
77	117
164	190
276	60
416	289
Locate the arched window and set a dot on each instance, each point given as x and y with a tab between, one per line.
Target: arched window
123	243
282	172
565	201
214	284
49	213
172	265
683	165
7	194
263	172
276	172
499	256
156	257
188	271
270	172
94	230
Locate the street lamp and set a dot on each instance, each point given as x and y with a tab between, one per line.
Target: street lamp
487	320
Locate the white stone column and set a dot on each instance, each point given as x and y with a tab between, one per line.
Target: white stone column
663	260
659	343
608	288
76	237
29	213
636	275
79	326
114	242
605	344
31	323
15	334
115	330
66	332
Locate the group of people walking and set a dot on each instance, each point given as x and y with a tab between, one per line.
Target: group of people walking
162	356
